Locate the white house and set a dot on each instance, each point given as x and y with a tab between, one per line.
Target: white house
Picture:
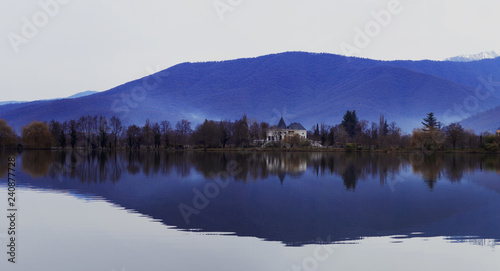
279	132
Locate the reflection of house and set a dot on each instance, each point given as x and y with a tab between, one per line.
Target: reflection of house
284	164
279	132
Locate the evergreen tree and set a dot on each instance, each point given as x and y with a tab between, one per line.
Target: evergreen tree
316	132
350	122
430	122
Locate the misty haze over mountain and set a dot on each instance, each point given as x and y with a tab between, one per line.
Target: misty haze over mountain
306	87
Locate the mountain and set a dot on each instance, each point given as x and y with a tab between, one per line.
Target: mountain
484	121
77	95
82	94
474	57
10	102
308	88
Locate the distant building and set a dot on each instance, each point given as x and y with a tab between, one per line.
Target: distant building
498	132
279	132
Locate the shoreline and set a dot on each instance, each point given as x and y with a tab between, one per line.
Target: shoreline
255	149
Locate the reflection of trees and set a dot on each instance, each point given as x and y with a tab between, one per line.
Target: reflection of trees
37	163
4	167
354	166
436	166
492	162
429	166
455	169
101	166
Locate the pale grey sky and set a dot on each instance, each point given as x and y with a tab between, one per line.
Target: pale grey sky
76	45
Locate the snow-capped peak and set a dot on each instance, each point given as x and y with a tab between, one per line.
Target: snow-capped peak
474	57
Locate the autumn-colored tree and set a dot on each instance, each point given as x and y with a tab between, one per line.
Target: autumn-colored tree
294	140
37	135
7	135
432	137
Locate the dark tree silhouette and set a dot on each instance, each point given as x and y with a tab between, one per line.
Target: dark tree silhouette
350	123
430	122
156	134
116	129
134	136
103	131
207	134
166	131
240	132
183	131
455	133
225	132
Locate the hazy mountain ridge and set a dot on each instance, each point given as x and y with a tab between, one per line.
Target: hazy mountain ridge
313	88
484	121
74	96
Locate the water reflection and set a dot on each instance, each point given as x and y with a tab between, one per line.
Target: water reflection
289	197
102	166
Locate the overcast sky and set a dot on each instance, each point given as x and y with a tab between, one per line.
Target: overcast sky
96	45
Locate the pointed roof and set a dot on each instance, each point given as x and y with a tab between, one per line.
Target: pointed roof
282	124
296	126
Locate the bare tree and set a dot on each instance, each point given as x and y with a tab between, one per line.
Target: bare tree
156	134
147	134
103	131
455	134
166	131
116	129
183	131
225	132
254	131
134	136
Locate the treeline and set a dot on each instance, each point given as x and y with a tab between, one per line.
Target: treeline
352	133
98	132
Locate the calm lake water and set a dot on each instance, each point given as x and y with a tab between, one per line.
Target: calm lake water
253	211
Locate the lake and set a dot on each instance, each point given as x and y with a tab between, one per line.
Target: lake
159	210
